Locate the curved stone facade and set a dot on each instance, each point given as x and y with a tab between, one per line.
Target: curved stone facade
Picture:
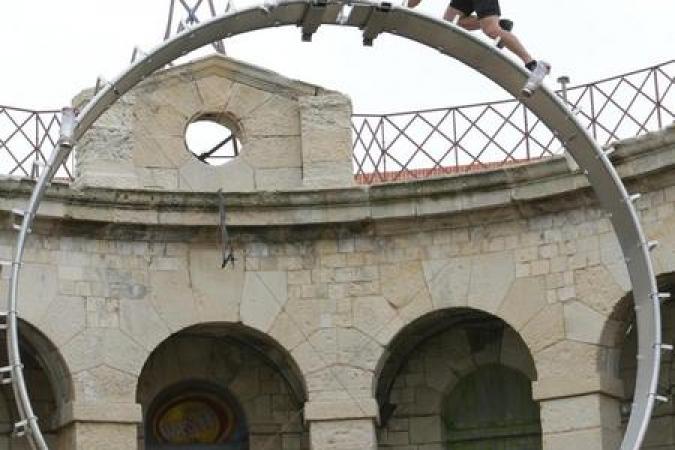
323	303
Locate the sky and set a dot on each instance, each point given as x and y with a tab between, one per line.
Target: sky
52	49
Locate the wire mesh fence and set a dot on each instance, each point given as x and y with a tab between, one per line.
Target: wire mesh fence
420	144
27	139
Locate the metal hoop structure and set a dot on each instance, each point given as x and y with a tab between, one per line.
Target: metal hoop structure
450	40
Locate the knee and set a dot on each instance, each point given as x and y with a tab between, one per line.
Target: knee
492	30
450	16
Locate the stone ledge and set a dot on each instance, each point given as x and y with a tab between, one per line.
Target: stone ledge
649	161
342	410
555	388
100	412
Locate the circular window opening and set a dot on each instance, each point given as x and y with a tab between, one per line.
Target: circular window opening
213	139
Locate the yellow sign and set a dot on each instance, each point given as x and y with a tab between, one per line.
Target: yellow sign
194	419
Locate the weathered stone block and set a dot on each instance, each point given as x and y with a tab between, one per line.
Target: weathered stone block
264	296
343	435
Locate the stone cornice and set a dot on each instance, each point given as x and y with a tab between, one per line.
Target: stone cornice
647	162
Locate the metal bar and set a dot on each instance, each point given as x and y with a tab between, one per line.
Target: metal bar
375	23
167	34
527	133
659	119
593	117
454	136
384	143
316	9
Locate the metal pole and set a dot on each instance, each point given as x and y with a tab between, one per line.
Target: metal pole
169	25
564	80
659	119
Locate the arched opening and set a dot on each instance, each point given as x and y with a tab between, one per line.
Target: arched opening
48	381
221	386
492	408
458	379
661	431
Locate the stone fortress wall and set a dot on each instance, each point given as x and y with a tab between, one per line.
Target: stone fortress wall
488	310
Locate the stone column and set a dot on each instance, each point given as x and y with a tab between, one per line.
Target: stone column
342	425
579	415
99	426
326	136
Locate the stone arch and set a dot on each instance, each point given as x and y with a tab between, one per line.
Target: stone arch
425	362
47	376
414	290
245	367
621	360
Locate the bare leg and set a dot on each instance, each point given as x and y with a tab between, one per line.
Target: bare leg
490	26
468	22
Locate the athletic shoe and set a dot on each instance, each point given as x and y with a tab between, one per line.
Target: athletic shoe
506	24
538	70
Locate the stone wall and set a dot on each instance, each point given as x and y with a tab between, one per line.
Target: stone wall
293	134
332	277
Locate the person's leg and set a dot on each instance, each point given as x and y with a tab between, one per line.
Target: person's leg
490	26
468	22
463	9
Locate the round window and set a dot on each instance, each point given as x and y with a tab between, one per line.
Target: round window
213	139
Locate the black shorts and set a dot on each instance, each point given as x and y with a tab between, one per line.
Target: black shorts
483	8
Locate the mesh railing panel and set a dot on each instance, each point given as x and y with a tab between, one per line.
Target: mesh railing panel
420	144
27	139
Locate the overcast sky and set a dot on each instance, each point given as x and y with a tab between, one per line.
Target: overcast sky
51	49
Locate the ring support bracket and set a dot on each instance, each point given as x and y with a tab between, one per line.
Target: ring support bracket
313	18
375	23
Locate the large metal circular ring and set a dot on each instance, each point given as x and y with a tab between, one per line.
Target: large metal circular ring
448	39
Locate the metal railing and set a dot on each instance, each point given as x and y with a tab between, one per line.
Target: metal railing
27	139
421	144
427	143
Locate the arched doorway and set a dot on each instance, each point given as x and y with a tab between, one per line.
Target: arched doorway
48	381
224	387
458	379
661	431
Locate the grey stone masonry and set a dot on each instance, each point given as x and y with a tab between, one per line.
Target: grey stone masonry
324	281
292	134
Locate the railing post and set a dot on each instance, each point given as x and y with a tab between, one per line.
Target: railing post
564	80
658	98
593	118
382	149
35	172
454	137
527	133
